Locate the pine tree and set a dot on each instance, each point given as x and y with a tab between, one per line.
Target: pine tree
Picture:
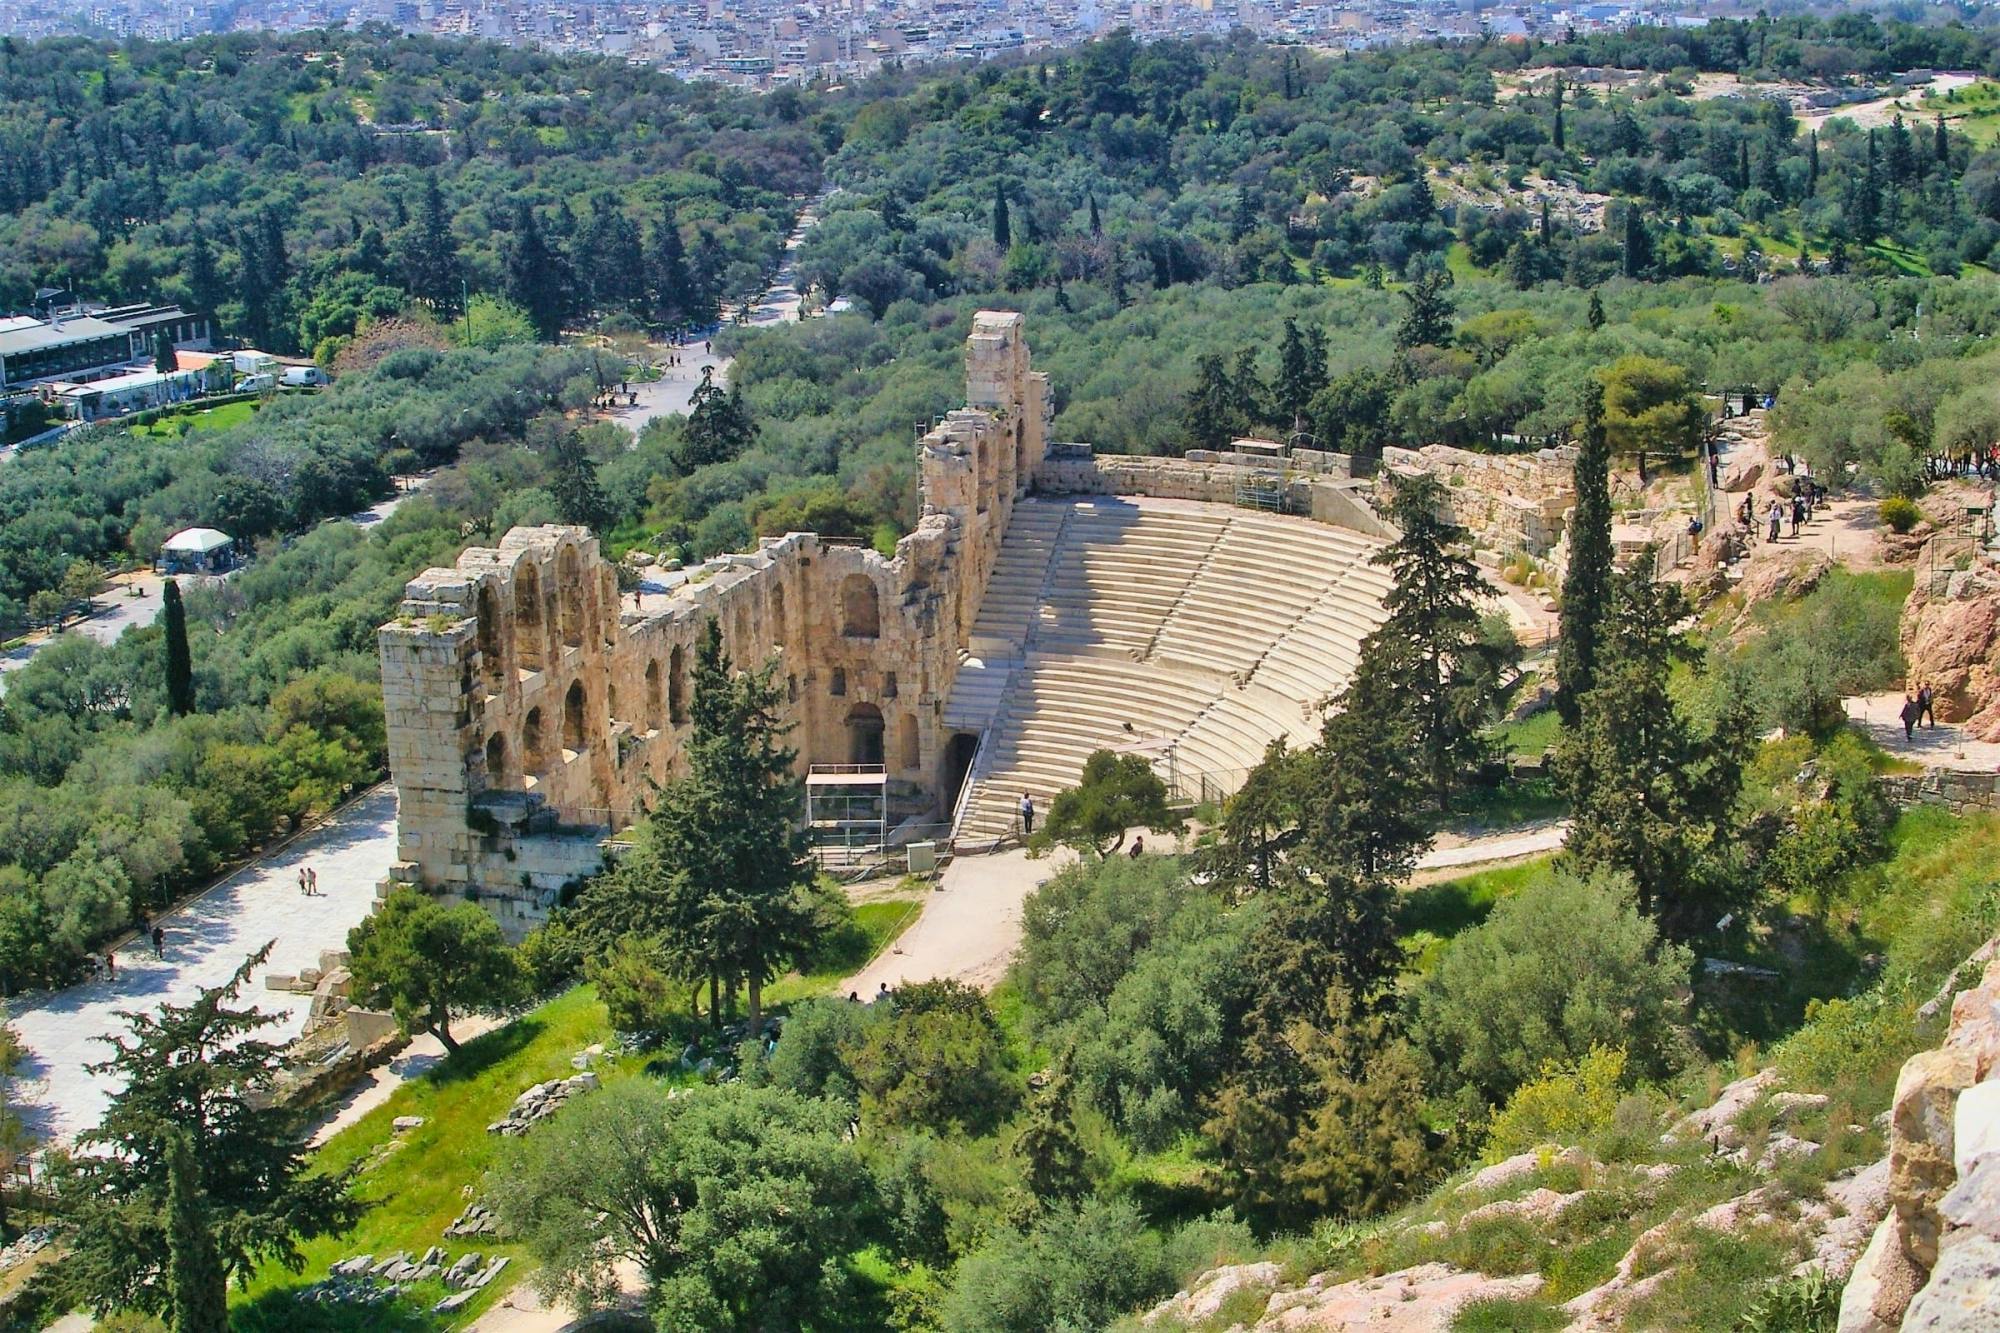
1651	794
430	266
1586	583
574	486
669	275
1595	314
727	837
1049	1149
1209	420
718	425
537	278
1427	320
196	1283
1003	231
1454	668
180	669
201	1071
1300	374
204	286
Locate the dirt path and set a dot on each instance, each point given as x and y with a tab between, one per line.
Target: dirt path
1944	745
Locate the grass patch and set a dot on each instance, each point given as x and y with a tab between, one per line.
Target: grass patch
415	1184
1532	735
1504	1314
1712	1278
167	426
874	928
1453	905
1507	803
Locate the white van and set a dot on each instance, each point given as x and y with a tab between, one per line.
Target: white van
305	377
257	384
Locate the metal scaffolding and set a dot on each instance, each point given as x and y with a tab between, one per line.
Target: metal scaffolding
847	812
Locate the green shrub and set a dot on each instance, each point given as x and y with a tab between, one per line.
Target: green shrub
1568	1103
1900	513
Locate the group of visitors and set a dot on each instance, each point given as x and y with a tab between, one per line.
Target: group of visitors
1983	464
309	882
1798	508
1917	708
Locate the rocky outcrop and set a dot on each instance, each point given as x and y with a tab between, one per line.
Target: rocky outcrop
540	1102
1951	639
1933	1262
1790	575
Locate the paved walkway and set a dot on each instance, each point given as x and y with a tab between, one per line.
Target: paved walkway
970	927
206	941
672	394
1503	845
113	611
1943	746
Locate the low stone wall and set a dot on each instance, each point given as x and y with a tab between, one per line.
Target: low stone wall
1960	791
1316	484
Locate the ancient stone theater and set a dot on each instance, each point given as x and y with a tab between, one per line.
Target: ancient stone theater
1051	602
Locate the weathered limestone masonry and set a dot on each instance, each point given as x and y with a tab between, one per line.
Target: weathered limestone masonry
1961	791
1316	484
1511	502
528	710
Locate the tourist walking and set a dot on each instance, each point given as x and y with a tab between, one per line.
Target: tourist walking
1798	513
312	882
302	882
1911	711
1777	517
111	965
1925	713
159	941
1027	815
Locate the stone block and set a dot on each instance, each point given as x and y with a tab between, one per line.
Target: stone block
1976	1127
1963	1294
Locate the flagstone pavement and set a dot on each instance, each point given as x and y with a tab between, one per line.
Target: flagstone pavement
207	940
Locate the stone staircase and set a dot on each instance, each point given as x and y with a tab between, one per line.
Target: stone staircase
1192	634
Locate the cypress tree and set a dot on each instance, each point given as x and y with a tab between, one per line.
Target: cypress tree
1210	417
669	264
1941	143
1588	578
1096	223
536	277
163	354
195	1279
1003	231
180	669
1812	165
1556	135
1595	315
203	285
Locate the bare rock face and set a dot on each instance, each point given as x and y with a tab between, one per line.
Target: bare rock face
1205	1300
1951	638
1963	1293
1423	1299
1790	576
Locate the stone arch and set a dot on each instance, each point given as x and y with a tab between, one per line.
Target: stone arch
489	629
528	615
655	709
864	734
860	608
570	594
909	748
677	689
575	727
496	760
534	743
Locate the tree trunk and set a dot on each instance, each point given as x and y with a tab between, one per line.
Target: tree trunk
715	999
441	1025
756	988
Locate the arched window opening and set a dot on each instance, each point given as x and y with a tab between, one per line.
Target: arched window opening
909	751
837	686
861	613
864	734
655	708
534	745
574	733
677	708
569	595
496	760
528	616
489	630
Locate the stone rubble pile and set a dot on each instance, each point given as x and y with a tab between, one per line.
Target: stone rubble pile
540	1102
32	1241
363	1279
476	1220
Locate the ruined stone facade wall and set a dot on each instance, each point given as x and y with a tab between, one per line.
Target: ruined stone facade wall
530	708
1511	502
1316	484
